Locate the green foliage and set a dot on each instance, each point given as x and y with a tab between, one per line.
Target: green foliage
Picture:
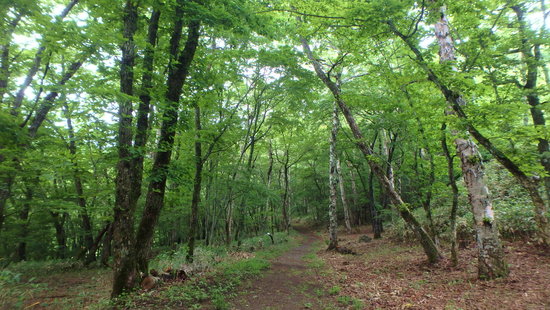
245	267
344	300
513	211
14	292
516	219
512	206
219	302
216	273
9	278
357	304
335	290
45	268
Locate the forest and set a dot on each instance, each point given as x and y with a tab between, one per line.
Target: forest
133	131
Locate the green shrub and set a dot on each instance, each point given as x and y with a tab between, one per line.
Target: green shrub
344	300
512	207
515	219
334	290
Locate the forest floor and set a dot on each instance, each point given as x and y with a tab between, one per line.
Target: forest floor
384	275
388	275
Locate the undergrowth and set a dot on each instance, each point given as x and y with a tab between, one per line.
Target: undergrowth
215	275
218	273
513	209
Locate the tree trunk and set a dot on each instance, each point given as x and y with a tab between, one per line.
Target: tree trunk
375	218
333	180
125	276
269	177
532	63
354	191
427	243
425	199
210	207
454	205
229	220
286	216
157	187
5	191
492	263
60	235
106	249
388	152
21	254
491	260
86	222
196	187
456	102
95	244
289	200
370	206
343	196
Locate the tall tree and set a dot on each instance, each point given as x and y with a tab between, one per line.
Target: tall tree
333	181
491	261
532	58
456	102
131	251
127	195
427	243
343	196
177	75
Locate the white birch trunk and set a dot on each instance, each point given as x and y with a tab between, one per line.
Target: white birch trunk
491	261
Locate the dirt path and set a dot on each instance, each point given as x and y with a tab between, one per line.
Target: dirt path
288	284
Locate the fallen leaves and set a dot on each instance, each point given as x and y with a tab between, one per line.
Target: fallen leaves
396	276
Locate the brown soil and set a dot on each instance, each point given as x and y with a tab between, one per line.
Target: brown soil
390	275
288	284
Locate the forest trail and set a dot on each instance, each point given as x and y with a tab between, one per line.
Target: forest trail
287	284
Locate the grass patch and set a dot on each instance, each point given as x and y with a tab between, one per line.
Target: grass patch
344	300
335	290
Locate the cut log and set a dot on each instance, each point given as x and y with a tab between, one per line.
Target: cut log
149	282
168	275
181	275
365	238
343	250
